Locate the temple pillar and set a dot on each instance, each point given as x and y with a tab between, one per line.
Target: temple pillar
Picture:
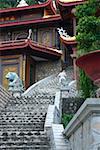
74	62
74	26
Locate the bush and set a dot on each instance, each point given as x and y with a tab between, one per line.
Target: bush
88	39
66	119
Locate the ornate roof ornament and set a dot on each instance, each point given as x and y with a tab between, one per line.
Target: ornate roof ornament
62	32
30	33
22	3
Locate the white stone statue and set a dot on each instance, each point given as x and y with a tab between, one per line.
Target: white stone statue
98	93
15	83
62	78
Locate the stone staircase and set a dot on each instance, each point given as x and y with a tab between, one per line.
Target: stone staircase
22	119
22	123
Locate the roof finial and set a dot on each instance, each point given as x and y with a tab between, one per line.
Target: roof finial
22	3
30	33
62	32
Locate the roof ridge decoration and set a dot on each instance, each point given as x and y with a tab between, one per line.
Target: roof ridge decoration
70	2
36	6
22	3
63	34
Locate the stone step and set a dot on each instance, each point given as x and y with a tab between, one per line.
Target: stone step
27	133
29	121
23	127
32	100
21	112
23	141
24	117
20	140
22	120
20	109
34	147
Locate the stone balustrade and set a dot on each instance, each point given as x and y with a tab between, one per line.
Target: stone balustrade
83	131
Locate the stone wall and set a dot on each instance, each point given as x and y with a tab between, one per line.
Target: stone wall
83	131
47	68
71	105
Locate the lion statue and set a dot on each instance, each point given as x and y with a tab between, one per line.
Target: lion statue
15	83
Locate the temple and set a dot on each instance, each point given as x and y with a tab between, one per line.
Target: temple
29	41
41	106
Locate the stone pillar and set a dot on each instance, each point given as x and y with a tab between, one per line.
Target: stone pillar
74	62
74	25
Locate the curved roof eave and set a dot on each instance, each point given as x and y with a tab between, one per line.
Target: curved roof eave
41	20
68	41
44	48
66	4
45	4
32	45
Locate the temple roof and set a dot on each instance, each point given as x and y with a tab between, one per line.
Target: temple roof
69	40
66	7
31	47
48	4
41	20
70	2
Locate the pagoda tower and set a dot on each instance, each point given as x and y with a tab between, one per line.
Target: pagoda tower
29	42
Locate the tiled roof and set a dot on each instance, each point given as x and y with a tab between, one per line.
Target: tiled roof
67	1
34	47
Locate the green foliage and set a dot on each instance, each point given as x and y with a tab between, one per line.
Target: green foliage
87	86
87	23
7	3
32	2
66	119
88	38
87	9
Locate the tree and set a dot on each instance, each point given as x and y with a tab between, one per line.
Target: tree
7	3
88	38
